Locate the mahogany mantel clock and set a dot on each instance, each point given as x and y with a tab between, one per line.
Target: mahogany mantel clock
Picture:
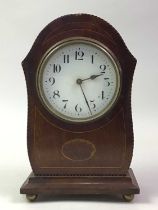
80	136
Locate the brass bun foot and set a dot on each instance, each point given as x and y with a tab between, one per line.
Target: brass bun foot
31	198
128	198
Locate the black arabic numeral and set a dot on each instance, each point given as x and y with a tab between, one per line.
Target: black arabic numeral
93	105
102	95
79	55
65	101
78	109
56	68
107	82
51	80
102	68
92	59
66	58
56	94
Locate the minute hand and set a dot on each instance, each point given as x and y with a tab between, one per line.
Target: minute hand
85	99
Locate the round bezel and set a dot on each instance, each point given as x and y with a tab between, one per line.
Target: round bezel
40	71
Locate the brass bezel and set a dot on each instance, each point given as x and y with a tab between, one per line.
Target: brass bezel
40	70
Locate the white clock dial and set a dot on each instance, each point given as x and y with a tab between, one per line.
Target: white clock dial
78	81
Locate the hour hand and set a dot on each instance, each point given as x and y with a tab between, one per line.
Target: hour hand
79	81
95	76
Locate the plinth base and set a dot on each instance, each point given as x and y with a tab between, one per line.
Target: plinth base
61	185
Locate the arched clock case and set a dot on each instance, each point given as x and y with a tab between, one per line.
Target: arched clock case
78	145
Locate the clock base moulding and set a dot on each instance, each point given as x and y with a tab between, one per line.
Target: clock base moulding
78	185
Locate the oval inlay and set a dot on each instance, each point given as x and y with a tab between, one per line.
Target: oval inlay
78	149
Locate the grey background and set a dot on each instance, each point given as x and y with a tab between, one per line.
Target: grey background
20	23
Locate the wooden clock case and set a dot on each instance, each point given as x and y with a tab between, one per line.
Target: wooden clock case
73	158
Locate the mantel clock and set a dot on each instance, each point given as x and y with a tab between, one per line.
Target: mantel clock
80	137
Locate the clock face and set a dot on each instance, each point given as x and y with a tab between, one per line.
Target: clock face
78	80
